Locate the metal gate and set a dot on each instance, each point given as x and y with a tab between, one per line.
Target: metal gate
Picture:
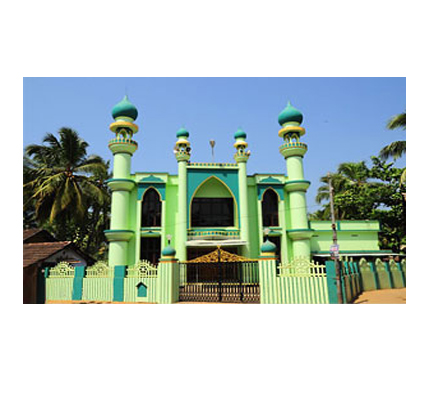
220	281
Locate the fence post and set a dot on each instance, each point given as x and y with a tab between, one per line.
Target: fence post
353	281
168	277
367	275
382	275
268	273
77	288
403	271
390	278
331	280
396	275
119	275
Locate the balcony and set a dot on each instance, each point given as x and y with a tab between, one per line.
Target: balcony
213	234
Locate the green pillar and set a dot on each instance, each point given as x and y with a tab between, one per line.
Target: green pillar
182	153
122	146
168	277
296	186
260	224
241	157
267	273
283	240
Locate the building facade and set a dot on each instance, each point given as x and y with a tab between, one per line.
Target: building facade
218	205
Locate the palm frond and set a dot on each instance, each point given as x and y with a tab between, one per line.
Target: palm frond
398	121
394	150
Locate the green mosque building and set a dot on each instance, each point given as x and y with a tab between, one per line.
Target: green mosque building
212	233
210	205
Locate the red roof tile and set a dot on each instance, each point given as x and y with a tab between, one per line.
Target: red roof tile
30	232
36	235
35	252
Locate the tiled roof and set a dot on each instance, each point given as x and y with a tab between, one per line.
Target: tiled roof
30	232
35	252
37	235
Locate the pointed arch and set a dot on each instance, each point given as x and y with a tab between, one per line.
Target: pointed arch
151	208
213	207
270	207
153	188
270	188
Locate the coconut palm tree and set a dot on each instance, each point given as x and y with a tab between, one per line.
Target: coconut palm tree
348	175
398	148
59	177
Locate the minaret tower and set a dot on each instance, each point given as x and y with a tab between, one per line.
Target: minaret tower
241	157
182	153
293	150
122	146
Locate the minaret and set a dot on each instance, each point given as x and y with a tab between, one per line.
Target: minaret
241	157
122	146
296	186
182	153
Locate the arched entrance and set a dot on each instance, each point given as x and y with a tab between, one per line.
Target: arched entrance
220	276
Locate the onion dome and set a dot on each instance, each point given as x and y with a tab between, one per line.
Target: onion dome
168	252
182	132
240	134
125	109
268	247
290	114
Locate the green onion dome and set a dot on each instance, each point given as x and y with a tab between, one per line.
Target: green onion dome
268	247
182	132
125	109
168	252
240	134
290	114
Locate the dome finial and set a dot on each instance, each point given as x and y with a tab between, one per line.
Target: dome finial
169	251
240	134
290	115
182	132
125	109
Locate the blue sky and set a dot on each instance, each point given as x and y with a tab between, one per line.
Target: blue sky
344	118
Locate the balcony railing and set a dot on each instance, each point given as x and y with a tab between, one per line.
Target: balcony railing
210	234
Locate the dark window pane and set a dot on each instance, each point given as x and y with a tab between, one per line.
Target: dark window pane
209	212
270	209
150	249
151	209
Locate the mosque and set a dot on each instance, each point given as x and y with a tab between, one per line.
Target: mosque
209	206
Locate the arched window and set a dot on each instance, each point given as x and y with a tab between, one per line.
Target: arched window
151	209
270	208
212	205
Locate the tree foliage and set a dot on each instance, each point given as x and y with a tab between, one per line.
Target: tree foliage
378	192
65	190
368	193
396	149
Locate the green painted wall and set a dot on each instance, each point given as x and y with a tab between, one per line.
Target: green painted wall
253	219
171	190
131	293
288	224
133	223
362	241
352	235
213	188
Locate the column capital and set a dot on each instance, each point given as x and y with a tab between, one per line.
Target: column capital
122	145
290	149
182	156
241	157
